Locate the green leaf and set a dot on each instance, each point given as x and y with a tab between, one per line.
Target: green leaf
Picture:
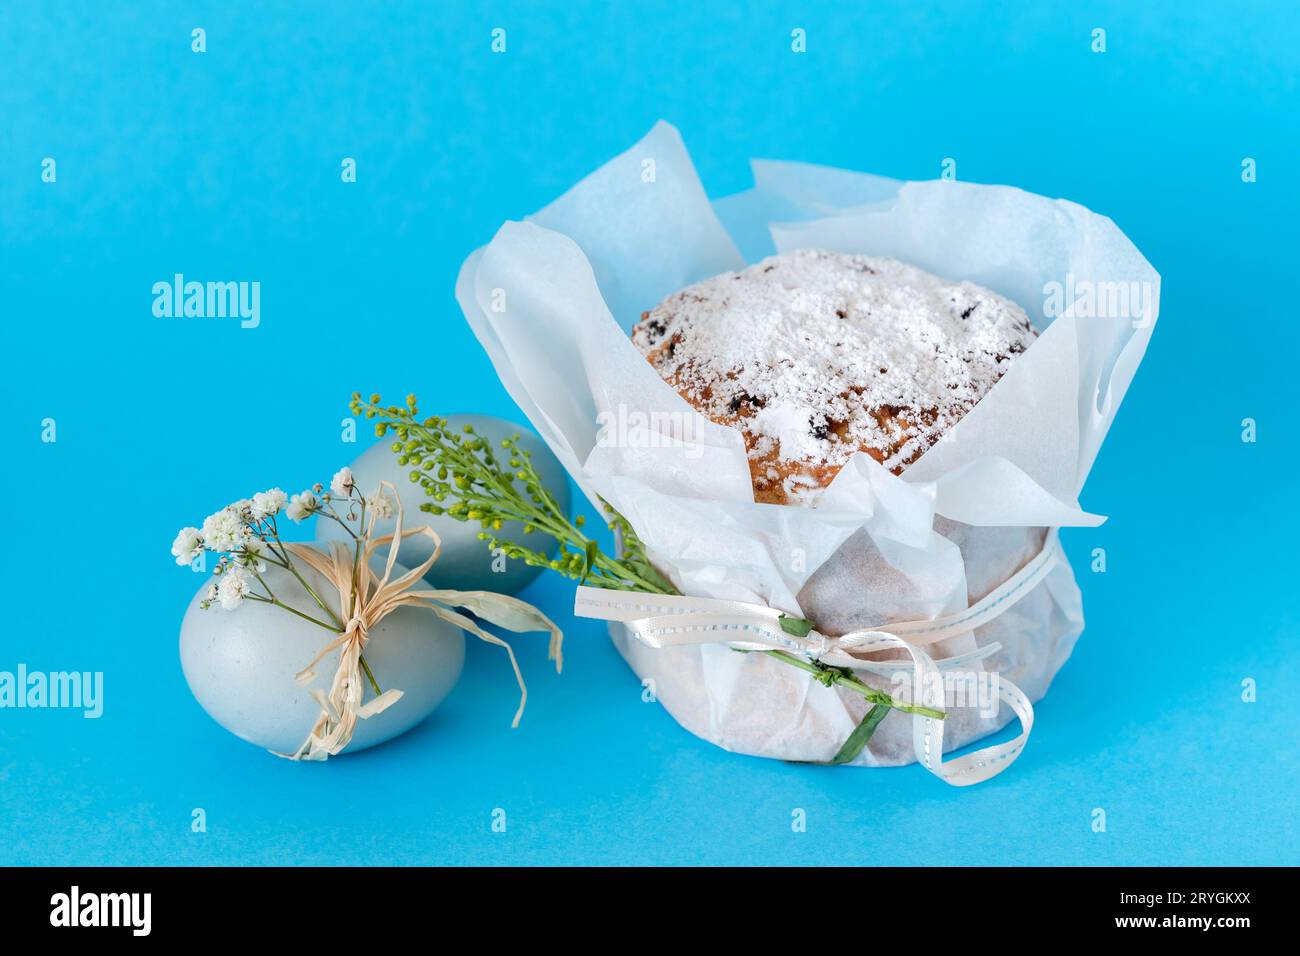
592	550
795	625
861	734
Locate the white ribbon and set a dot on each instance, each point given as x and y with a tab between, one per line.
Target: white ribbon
669	620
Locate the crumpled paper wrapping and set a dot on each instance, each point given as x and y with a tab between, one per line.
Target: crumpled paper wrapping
552	299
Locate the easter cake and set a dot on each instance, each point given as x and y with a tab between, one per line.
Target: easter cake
815	355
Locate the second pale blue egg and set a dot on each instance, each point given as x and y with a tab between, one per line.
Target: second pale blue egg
466	563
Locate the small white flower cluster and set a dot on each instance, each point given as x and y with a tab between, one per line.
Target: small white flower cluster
343	484
302	506
380	504
246	536
267	504
231	590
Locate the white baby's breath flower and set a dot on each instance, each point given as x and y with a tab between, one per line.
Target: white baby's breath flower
223	530
187	546
268	503
302	506
379	504
233	589
342	483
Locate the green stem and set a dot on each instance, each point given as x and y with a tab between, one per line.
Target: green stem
861	734
369	676
329	512
356	554
316	597
306	617
835	675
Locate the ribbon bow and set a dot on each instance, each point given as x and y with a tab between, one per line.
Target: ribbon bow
366	598
669	620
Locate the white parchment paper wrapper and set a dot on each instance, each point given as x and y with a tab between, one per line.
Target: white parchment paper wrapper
552	299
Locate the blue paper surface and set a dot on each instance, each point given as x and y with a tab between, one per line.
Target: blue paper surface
227	166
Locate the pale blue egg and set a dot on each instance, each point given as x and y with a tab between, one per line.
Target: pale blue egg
240	664
465	563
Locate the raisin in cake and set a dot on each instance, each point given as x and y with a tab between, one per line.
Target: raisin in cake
815	355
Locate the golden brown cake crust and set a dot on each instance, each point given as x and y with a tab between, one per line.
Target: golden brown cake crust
813	356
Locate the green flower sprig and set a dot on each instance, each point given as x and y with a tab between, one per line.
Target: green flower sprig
468	479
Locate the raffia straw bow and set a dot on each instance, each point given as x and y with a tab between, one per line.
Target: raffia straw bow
374	598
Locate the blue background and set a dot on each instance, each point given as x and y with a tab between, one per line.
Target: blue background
226	165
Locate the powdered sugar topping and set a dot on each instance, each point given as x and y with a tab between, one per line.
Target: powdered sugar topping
816	355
